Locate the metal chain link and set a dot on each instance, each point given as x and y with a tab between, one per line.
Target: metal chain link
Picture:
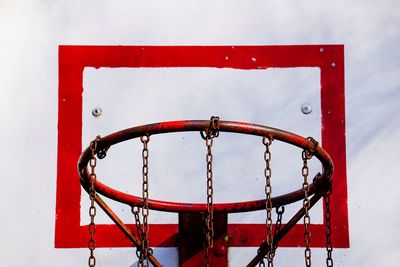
92	197
143	229
306	155
138	224
328	230
210	207
211	133
135	211
279	211
268	203
306	206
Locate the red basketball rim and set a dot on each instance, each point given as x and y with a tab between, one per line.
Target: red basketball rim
202	125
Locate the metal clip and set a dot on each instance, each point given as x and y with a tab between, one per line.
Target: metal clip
102	153
308	154
212	130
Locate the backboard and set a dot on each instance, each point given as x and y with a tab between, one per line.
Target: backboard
134	85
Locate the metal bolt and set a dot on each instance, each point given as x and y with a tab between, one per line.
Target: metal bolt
220	248
321	50
333	65
306	108
226	238
96	112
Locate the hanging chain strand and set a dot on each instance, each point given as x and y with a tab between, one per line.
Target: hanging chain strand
144	232
306	155
210	210
306	206
92	197
279	211
212	132
136	213
328	230
268	203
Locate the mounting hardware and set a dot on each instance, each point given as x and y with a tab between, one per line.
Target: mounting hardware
306	108
96	112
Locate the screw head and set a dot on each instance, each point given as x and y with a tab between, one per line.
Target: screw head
333	65
96	112
306	108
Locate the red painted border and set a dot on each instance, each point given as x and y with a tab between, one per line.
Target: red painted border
73	59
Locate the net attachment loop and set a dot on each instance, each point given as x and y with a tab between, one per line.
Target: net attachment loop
102	153
309	153
212	131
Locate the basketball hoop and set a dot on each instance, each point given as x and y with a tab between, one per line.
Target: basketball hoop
310	193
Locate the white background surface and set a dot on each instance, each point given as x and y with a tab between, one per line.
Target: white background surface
268	97
30	32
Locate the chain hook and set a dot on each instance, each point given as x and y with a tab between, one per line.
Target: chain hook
212	130
308	154
102	153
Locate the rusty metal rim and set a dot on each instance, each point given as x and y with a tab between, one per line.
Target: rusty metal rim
202	125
